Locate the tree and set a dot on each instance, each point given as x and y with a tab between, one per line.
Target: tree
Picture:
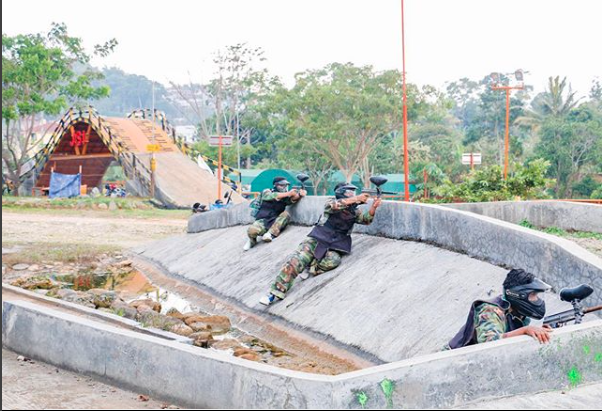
342	111
220	105
38	78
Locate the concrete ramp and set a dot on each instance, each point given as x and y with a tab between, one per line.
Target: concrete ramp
391	299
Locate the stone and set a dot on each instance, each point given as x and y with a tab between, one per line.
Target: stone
112	206
65	293
174	313
201	339
181	329
34	267
200	327
34	283
20	267
226	344
123	310
217	323
246	354
102	206
154	305
102	298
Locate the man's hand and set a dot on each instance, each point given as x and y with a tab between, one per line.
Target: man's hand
541	334
302	193
362	198
376	203
292	193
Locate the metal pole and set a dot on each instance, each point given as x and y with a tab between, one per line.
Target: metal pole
507	133
219	171
153	163
405	139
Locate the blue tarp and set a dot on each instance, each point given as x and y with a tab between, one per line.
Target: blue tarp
64	185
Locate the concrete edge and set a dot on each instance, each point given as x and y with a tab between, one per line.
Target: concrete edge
103	316
202	378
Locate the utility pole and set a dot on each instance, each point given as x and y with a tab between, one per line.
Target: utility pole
405	138
496	86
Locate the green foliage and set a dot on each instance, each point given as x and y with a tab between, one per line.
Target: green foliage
526	223
488	184
586	187
39	78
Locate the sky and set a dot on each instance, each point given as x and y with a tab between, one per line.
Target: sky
445	39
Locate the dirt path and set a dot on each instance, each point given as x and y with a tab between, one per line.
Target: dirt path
30	385
23	228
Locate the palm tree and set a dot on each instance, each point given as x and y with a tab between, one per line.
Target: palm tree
551	103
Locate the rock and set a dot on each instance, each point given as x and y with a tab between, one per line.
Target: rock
34	283
123	310
102	206
95	192
226	344
217	323
156	320
125	263
246	354
174	313
34	267
200	327
102	298
81	298
201	339
155	306
112	206
181	329
20	267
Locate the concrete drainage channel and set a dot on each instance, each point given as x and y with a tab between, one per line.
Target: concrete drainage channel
149	363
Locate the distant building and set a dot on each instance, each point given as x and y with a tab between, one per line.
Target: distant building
188	132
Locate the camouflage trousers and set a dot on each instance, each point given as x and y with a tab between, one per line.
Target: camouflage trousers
298	261
258	228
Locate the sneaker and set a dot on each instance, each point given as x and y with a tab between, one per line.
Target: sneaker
248	244
268	237
304	275
268	299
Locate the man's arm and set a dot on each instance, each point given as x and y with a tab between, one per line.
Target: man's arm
490	326
489	323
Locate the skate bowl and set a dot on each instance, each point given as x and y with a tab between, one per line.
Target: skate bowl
404	291
394	302
566	215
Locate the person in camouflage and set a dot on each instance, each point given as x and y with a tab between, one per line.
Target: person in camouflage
272	218
507	315
322	250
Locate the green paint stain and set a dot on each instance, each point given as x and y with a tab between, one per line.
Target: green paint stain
586	349
388	389
598	357
362	398
574	377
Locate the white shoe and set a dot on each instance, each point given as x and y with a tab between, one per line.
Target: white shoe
248	245
268	237
304	275
268	299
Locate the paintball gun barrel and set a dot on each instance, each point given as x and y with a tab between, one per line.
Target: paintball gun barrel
378	181
574	296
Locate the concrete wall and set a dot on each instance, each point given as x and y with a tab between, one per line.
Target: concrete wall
563	214
559	262
194	377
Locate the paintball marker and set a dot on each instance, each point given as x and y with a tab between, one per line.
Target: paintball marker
573	296
302	178
378	181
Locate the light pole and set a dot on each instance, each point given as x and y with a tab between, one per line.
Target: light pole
496	86
405	139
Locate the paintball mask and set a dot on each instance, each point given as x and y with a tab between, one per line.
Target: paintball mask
345	191
280	184
524	300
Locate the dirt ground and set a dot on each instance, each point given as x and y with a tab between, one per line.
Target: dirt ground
31	385
55	236
53	228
